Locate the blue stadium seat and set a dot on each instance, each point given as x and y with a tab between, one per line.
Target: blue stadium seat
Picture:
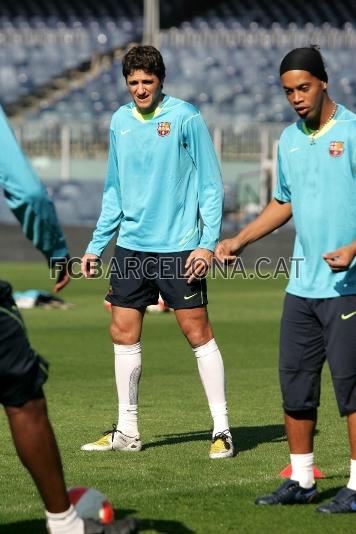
45	38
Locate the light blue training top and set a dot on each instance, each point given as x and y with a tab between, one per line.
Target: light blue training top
27	197
319	179
163	176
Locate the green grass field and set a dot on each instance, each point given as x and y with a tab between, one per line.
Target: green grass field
172	485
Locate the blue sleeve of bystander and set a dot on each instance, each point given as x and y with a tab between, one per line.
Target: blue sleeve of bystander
27	197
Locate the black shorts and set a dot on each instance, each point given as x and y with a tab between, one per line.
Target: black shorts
137	278
313	330
22	370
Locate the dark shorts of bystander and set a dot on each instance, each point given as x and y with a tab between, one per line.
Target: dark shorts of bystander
22	370
137	278
312	331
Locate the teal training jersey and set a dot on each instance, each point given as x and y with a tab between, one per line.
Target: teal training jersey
318	177
163	177
27	197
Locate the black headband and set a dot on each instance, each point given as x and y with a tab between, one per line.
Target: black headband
308	59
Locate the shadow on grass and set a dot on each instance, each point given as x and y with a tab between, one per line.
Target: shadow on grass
37	526
163	526
328	494
245	437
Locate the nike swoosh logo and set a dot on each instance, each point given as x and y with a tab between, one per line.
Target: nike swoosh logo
124	132
344	317
191	296
294	149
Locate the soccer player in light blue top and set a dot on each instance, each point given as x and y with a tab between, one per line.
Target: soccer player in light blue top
164	194
317	184
330	153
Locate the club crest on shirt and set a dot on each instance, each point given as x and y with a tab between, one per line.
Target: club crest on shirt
164	128
336	148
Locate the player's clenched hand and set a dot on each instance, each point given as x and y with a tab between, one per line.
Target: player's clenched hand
340	259
89	264
63	277
198	263
226	250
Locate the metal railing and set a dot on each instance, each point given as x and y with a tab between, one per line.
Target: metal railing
90	140
277	36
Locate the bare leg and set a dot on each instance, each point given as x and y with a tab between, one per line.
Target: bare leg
300	428
195	325
126	325
38	451
351	422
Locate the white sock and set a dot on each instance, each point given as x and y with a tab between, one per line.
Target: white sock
127	374
302	469
211	370
352	482
65	523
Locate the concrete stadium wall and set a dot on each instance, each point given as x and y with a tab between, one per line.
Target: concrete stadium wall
14	247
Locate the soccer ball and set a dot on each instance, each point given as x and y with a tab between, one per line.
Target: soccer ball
160	307
91	504
107	305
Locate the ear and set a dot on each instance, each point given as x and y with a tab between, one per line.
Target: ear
325	86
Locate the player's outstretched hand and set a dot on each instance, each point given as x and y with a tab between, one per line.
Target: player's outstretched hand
340	259
63	276
197	264
226	250
89	264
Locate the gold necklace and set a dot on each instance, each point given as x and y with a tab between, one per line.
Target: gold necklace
313	135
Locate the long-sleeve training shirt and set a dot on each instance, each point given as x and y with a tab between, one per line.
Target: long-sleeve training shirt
163	186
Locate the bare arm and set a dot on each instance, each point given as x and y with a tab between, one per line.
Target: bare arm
273	216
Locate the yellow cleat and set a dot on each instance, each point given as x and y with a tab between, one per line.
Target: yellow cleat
114	440
221	446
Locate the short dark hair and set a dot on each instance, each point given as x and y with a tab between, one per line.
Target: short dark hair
146	58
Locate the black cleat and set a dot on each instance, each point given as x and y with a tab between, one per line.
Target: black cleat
344	502
289	493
